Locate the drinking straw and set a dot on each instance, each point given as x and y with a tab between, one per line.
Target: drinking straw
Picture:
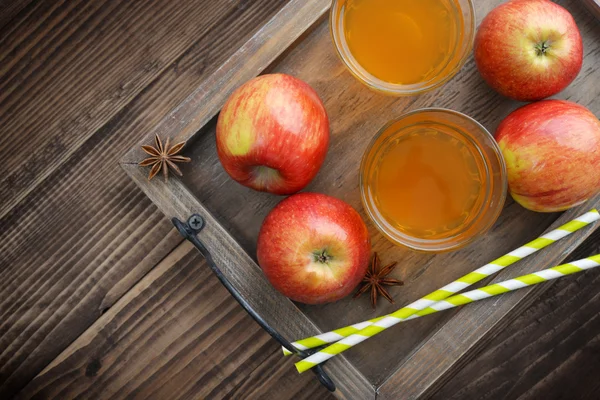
448	290
459	284
490	291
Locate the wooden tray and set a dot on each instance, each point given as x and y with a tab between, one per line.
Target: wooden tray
412	359
593	6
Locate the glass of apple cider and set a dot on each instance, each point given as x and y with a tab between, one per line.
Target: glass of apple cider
433	180
403	47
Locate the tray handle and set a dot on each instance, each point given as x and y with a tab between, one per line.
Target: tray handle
189	231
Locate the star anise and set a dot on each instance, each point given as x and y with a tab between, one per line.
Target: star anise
376	278
163	157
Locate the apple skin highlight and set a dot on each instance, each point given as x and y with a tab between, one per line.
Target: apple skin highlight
273	134
314	248
528	49
552	154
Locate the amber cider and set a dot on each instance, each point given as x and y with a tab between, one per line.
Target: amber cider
433	180
403	41
428	182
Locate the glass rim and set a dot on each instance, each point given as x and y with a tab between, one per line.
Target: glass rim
443	244
371	81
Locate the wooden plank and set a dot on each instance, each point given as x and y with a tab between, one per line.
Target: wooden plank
69	67
141	337
135	118
249	61
356	113
593	6
451	347
353	111
247	278
9	9
277	379
549	352
68	252
86	234
292	21
259	371
175	334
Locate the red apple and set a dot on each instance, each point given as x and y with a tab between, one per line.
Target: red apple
313	248
552	154
273	134
528	49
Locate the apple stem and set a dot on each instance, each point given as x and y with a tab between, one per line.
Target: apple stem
541	48
322	257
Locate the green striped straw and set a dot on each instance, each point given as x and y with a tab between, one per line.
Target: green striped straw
492	290
495	290
461	283
377	325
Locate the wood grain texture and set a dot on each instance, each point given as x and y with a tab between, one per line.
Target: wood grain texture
79	235
157	337
239	268
58	74
9	9
593	6
176	334
354	112
550	351
73	246
248	61
473	326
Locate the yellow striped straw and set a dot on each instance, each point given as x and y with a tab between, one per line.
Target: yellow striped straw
512	284
497	289
373	327
462	283
508	286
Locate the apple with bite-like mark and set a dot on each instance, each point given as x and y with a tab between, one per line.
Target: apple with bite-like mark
273	134
313	248
528	49
552	154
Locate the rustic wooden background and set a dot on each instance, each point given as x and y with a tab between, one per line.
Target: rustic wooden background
99	296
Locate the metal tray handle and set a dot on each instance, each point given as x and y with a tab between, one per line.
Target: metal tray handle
189	231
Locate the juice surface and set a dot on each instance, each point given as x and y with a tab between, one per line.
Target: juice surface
428	183
402	41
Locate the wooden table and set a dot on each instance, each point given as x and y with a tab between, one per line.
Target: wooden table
100	297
